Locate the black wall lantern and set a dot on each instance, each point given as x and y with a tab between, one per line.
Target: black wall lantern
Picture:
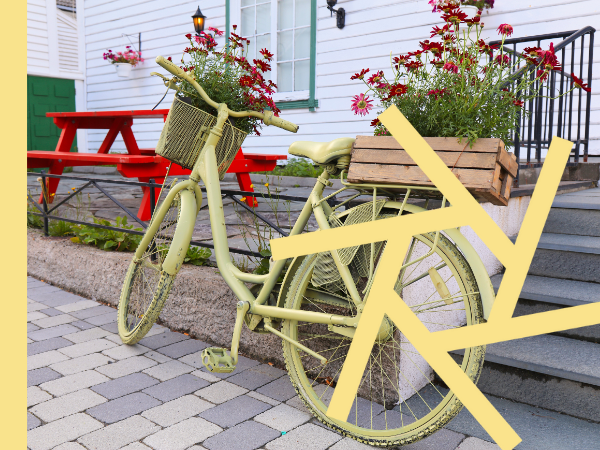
198	21
340	13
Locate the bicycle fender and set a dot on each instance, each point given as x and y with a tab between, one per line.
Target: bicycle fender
183	233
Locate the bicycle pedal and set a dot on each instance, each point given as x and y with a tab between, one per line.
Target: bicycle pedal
217	359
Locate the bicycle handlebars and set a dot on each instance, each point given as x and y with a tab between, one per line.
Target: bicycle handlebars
268	118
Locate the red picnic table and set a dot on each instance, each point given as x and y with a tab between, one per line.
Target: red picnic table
141	163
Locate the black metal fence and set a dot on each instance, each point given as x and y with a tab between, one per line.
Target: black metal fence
46	209
567	116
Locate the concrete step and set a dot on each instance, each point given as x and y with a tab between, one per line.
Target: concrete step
541	294
579	221
555	290
568	257
547	371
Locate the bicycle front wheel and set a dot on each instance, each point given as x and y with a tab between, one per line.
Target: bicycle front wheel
147	285
399	400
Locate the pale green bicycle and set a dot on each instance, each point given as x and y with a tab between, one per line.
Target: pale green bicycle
316	309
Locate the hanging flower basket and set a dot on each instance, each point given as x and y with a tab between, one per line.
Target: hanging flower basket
124	61
123	69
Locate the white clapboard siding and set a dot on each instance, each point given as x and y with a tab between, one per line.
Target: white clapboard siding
37	37
68	59
374	28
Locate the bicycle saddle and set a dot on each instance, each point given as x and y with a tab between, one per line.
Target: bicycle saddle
322	152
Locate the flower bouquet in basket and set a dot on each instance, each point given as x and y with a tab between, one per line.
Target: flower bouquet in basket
456	85
228	77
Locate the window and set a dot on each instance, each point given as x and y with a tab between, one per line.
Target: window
284	28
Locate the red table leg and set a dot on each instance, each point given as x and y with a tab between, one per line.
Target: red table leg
64	145
245	185
144	212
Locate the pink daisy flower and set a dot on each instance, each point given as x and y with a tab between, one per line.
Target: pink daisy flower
361	104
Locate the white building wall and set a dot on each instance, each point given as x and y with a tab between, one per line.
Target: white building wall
37	36
374	28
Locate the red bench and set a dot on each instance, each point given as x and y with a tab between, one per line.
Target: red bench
143	164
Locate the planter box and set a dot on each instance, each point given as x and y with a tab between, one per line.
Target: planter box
487	170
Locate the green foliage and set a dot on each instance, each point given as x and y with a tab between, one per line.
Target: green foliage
107	239
263	266
197	256
33	221
297	167
60	228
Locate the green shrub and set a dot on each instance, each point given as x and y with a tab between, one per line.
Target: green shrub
107	239
197	256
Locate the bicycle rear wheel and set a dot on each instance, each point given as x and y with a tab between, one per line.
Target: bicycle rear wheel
147	286
399	400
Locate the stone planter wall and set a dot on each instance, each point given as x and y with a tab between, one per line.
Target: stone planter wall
200	302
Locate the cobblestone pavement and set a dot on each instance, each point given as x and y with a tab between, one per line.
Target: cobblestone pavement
86	390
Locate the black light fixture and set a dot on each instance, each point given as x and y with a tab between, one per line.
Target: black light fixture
340	13
198	21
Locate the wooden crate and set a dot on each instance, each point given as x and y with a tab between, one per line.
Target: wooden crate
487	170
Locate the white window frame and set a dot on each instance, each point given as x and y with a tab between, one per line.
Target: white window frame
235	15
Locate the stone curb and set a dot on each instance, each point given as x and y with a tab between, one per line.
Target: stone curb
200	303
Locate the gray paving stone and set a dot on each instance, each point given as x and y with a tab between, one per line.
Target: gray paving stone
60	431
126	366
72	383
92	312
256	376
51	312
123	407
68	404
206	376
117	435
42	375
245	436
77	306
35	315
163	339
221	392
281	389
308	436
45	346
87	362
85	348
114	338
128	384
44	359
440	440
156	329
263	398
59	298
124	351
32	327
36	395
283	418
112	327
235	411
168	370
183	348
32	422
177	410
49	333
349	444
473	443
70	446
182	435
79	336
176	387
82	325
35	306
137	446
103	319
42	292
158	357
54	321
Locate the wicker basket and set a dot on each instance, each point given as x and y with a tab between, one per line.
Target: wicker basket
185	133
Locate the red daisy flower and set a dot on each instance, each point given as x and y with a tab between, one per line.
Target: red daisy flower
577	82
376	78
360	76
505	29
